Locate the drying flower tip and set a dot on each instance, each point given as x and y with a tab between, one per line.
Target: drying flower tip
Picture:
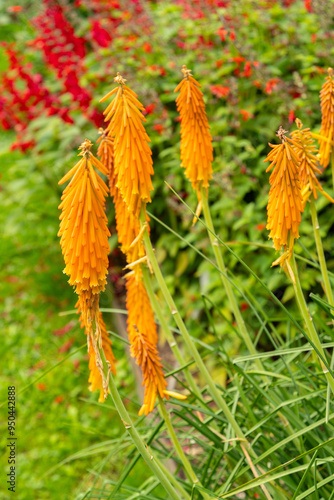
175	395
281	133
119	79
186	72
85	147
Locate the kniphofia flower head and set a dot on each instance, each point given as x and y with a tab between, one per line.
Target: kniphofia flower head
132	154
83	228
196	140
143	339
306	150
285	198
105	152
327	119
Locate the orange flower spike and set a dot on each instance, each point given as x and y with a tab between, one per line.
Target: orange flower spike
327	119
143	339
285	197
304	146
83	228
106	153
196	140
132	154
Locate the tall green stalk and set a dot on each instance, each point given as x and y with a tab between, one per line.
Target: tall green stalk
216	396
178	448
138	441
229	292
168	334
309	321
320	251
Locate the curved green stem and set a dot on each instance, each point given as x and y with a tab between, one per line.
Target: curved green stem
178	448
137	440
320	251
216	396
168	334
229	292
308	321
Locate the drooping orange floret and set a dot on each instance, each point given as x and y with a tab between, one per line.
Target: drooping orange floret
327	119
132	154
196	140
285	198
91	319
143	339
83	228
105	152
306	150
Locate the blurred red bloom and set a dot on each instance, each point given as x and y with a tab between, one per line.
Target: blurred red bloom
15	8
41	387
59	399
159	128
67	346
291	116
147	47
220	90
149	109
271	84
222	33
260	227
246	115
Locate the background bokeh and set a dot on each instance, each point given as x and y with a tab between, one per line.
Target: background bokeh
260	64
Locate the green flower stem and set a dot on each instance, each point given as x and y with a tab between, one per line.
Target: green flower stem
168	334
187	339
229	292
136	438
308	320
320	250
178	448
172	479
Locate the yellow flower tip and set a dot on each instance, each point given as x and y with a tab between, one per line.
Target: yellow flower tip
85	147
175	395
330	71
119	79
186	72
143	410
298	123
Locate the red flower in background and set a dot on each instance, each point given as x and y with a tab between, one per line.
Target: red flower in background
246	115
292	116
271	85
220	90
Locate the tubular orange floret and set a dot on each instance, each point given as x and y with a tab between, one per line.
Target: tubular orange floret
132	154
285	197
327	118
83	228
306	150
143	338
91	319
105	152
196	140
